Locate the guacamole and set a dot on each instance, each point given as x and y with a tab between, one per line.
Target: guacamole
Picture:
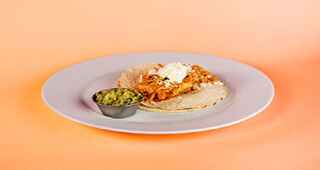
117	97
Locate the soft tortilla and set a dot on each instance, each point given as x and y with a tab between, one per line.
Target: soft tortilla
205	97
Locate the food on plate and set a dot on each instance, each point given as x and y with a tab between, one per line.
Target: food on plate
117	97
174	86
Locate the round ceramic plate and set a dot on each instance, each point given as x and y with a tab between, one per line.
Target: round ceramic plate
69	92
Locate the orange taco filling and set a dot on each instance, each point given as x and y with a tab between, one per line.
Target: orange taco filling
171	80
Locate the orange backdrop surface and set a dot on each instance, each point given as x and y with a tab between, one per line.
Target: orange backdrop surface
282	38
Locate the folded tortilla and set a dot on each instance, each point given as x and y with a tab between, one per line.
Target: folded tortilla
205	97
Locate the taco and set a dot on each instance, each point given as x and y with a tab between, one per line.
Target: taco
174	87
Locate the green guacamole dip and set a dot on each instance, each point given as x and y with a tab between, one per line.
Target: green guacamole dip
117	97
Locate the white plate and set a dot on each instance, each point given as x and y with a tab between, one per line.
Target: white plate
69	92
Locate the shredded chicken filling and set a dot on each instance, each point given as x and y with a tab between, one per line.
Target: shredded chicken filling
156	88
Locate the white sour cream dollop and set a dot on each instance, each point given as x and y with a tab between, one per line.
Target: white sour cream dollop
175	72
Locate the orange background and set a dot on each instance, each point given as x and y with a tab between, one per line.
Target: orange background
282	38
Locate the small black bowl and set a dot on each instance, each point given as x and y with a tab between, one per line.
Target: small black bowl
117	111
